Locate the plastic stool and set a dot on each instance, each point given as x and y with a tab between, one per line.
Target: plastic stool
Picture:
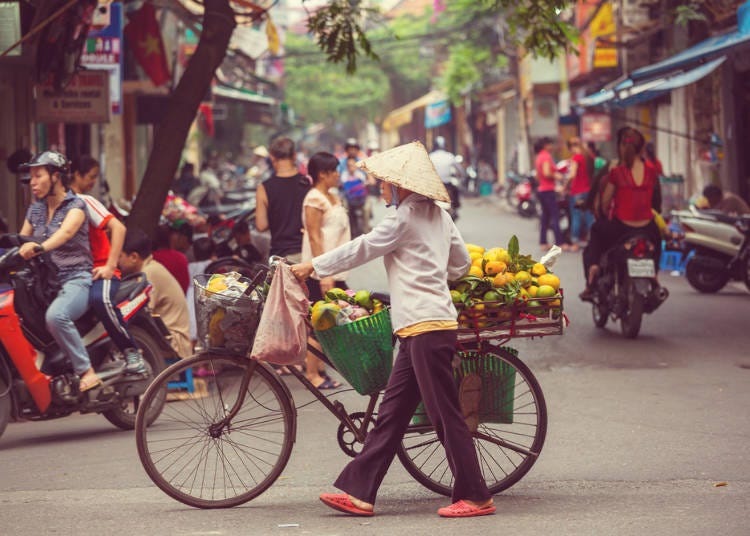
186	378
671	260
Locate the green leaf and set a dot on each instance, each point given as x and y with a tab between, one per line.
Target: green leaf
513	248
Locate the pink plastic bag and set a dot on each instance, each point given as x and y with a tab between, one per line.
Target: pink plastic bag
281	338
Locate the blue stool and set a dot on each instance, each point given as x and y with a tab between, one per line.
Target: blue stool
671	260
186	378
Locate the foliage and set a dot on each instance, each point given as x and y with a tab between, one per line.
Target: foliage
338	29
536	25
325	93
688	12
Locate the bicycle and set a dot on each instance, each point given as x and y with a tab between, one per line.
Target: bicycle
228	444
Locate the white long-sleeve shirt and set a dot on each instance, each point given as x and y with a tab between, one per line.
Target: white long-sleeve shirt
422	250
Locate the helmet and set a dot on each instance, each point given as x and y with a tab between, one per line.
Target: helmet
52	160
351	142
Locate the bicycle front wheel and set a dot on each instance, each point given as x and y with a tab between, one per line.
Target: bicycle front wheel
506	447
201	455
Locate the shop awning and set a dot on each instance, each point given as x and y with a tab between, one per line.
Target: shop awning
227	92
701	53
403	115
630	92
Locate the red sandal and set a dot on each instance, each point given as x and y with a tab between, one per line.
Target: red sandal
464	509
342	503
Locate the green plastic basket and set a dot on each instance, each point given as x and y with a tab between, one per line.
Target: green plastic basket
362	351
498	387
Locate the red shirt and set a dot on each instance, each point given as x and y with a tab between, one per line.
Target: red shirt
633	202
176	264
546	183
98	217
581	183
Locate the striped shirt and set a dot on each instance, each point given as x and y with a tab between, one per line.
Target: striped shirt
74	256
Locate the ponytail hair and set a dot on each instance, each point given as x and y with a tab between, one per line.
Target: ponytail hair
631	143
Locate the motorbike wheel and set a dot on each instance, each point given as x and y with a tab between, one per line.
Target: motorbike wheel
600	313
703	280
5	405
123	416
527	208
630	321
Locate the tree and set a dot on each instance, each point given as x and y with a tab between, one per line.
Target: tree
170	135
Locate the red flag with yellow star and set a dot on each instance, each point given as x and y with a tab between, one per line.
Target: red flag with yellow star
144	38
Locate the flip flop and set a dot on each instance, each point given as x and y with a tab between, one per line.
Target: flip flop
342	503
88	384
328	384
336	384
464	509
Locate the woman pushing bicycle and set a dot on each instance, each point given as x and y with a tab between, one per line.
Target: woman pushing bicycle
422	250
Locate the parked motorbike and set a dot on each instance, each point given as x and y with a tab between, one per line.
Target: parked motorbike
627	287
525	197
37	381
717	246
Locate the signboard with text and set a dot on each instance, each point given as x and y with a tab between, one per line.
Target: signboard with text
84	100
596	127
103	51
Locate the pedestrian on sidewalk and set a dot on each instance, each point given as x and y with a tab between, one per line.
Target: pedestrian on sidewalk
422	250
579	184
547	179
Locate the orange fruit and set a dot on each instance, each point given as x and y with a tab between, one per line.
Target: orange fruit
532	290
494	267
476	271
524	278
546	291
549	279
501	280
538	269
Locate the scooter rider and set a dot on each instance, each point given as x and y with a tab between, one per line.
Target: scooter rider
56	221
106	252
447	166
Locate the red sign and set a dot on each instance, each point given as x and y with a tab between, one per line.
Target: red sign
596	127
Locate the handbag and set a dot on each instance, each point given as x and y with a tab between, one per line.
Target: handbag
282	333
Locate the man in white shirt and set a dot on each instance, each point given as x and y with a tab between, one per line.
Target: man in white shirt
422	250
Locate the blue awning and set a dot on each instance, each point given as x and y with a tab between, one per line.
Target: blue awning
629	92
703	52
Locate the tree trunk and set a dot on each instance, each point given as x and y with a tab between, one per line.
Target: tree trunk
170	135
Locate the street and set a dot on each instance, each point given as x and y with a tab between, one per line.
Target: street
646	436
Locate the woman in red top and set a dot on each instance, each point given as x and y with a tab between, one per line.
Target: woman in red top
546	177
629	193
579	187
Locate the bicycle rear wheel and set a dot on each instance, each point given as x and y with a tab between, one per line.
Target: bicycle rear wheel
506	451
200	457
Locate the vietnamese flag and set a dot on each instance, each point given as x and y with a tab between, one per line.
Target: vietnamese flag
144	37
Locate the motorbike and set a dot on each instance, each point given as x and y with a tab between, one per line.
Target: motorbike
37	381
717	247
627	288
525	197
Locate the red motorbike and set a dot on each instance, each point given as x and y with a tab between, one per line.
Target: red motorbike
37	381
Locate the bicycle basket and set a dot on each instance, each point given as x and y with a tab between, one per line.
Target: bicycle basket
226	321
362	351
498	387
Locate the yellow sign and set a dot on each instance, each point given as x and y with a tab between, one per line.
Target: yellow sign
604	31
272	34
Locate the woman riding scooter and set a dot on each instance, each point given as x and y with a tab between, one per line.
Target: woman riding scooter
56	222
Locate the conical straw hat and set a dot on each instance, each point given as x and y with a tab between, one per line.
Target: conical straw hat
407	166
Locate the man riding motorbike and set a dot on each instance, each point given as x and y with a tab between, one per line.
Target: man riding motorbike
56	221
448	168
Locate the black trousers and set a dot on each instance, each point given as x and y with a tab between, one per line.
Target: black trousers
607	233
422	371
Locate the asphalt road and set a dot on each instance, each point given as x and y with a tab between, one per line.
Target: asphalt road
640	434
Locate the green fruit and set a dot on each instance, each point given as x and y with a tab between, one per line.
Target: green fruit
362	298
337	294
456	297
535	308
493	296
324	316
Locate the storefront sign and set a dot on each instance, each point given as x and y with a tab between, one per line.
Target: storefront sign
437	113
10	27
596	127
103	51
603	29
84	100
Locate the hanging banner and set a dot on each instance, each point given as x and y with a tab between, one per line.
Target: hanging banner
103	51
437	113
84	100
